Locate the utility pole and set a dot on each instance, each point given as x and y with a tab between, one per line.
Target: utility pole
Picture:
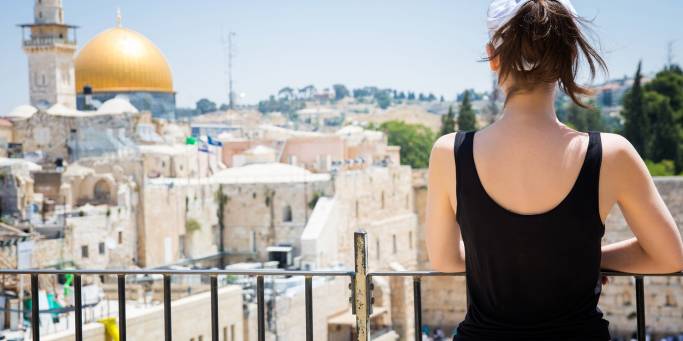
229	54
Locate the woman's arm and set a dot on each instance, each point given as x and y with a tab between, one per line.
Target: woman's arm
657	246
444	245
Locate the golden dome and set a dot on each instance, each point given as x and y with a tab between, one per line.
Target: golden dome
121	60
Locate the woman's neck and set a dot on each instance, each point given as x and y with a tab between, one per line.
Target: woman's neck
535	107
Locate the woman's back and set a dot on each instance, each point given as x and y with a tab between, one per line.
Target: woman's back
532	275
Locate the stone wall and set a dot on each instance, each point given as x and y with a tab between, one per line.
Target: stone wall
444	299
262	215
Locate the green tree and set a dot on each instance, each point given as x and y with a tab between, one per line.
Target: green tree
415	141
665	140
583	119
448	122
383	99
467	120
637	124
204	105
340	91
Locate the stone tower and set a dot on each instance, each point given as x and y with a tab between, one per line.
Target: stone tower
50	46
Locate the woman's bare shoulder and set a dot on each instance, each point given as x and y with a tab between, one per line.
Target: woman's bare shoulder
442	151
617	150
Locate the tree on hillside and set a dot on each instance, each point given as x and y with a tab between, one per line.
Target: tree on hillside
204	105
383	99
340	91
664	144
448	122
286	93
415	141
467	120
636	125
585	119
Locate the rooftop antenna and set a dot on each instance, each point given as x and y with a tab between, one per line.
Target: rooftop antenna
229	54
118	17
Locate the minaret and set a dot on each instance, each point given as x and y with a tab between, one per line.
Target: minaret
50	47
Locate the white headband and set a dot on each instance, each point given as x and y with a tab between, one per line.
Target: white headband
501	11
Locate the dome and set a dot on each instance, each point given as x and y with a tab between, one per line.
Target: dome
122	60
117	105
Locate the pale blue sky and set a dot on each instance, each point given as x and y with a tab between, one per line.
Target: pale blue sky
424	46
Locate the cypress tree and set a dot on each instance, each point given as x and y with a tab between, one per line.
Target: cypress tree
664	144
636	125
448	122
467	120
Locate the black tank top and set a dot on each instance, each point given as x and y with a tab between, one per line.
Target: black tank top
536	276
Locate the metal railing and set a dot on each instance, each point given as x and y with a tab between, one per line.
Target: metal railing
360	284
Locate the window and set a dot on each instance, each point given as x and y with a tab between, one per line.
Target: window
120	237
410	239
100	248
357	208
253	241
225	333
233	336
382	199
84	251
287	214
377	244
393	240
40	15
200	338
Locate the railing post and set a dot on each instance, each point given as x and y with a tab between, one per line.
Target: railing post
35	314
168	329
309	307
261	310
122	306
417	306
78	302
214	308
640	307
361	297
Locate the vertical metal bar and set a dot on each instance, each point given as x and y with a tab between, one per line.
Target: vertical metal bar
361	297
78	303
214	308
35	318
417	306
261	309
640	307
122	307
309	308
167	308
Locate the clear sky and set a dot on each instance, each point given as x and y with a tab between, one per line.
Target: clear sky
423	46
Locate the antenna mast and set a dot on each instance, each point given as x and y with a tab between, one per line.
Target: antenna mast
229	55
670	56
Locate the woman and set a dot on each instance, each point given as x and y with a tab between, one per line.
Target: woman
520	205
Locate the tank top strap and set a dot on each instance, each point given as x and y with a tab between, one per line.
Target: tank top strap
462	154
589	178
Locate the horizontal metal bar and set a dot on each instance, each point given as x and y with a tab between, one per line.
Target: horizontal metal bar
462	274
296	273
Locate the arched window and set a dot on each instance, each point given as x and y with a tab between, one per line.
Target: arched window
287	214
102	192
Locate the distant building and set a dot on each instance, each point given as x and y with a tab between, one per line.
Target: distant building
50	48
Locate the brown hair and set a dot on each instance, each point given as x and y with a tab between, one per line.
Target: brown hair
543	44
